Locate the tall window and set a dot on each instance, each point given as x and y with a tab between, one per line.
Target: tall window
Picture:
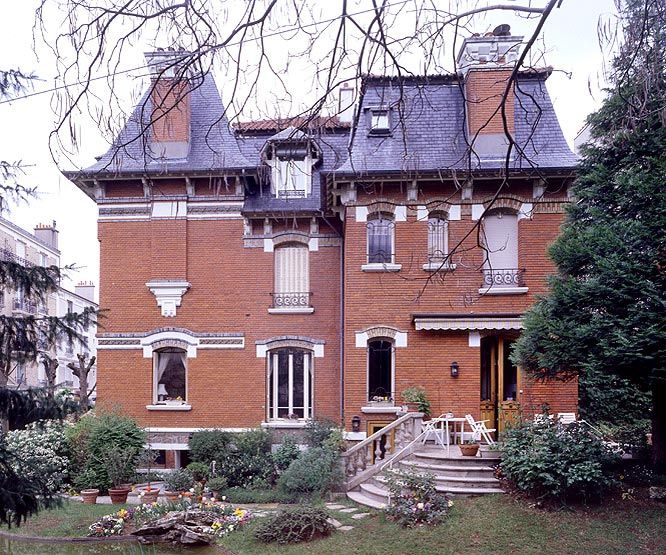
380	369
438	237
500	236
170	375
290	384
292	276
380	238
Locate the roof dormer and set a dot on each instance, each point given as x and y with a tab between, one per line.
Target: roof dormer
291	154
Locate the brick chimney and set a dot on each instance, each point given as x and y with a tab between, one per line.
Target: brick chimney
486	63
85	289
47	233
171	115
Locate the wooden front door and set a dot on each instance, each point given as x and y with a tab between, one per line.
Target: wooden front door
499	383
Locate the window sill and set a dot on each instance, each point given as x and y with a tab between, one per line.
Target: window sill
292	310
439	267
293	424
495	290
381	267
183	407
380	409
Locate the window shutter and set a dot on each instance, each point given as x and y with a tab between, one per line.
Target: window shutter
291	269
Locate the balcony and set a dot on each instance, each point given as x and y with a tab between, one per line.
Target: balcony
8	256
27	307
291	303
503	281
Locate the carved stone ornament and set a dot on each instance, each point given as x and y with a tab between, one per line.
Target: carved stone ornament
169	294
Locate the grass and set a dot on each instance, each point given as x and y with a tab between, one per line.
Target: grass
491	525
487	525
70	519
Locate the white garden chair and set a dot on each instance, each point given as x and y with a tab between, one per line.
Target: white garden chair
480	430
566	418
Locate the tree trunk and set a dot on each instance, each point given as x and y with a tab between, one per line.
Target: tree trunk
659	426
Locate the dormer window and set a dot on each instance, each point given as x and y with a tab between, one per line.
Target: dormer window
291	154
291	177
379	121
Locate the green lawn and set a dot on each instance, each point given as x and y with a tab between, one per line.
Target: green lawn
71	519
486	525
492	525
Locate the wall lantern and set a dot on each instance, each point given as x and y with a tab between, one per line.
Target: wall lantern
356	423
454	369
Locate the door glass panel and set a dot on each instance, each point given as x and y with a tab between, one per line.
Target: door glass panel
510	375
379	369
283	383
298	383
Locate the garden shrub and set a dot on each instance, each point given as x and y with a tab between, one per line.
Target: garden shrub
314	472
218	484
40	453
294	525
94	438
209	445
286	453
414	499
550	462
198	470
317	431
252	443
178	480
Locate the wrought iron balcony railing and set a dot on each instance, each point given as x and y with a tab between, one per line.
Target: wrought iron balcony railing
8	256
291	300
503	277
24	305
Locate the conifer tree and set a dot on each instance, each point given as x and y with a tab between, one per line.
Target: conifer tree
604	317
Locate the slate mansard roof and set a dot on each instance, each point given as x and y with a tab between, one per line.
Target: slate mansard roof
427	130
427	137
212	148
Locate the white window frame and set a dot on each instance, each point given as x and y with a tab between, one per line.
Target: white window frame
273	384
380	120
381	266
367	365
291	280
438	242
287	172
155	359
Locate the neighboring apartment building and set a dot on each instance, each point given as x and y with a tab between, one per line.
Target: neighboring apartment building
41	249
282	270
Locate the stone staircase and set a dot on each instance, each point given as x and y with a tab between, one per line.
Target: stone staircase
454	474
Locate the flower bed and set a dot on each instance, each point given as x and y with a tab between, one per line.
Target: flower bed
218	519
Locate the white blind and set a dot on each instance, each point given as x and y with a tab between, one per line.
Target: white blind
291	269
501	238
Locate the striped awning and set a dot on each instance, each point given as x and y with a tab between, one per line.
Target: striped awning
466	322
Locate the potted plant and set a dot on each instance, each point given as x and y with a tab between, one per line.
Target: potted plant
217	485
149	493
470	448
199	472
86	484
119	464
176	483
416	399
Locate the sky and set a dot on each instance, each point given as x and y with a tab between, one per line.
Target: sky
570	45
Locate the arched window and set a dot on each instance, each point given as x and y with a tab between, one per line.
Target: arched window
292	276
380	370
289	384
500	236
169	375
438	237
380	228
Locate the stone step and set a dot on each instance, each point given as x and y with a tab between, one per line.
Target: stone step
362	499
448	469
375	490
455	482
442	458
461	488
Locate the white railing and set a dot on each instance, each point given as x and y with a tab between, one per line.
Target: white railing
367	458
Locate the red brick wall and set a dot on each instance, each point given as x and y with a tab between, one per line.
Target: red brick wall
391	298
230	292
484	90
171	111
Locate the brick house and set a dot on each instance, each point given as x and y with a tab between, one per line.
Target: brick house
272	271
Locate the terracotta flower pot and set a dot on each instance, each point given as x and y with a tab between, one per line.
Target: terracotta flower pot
469	450
118	495
150	495
89	496
172	495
